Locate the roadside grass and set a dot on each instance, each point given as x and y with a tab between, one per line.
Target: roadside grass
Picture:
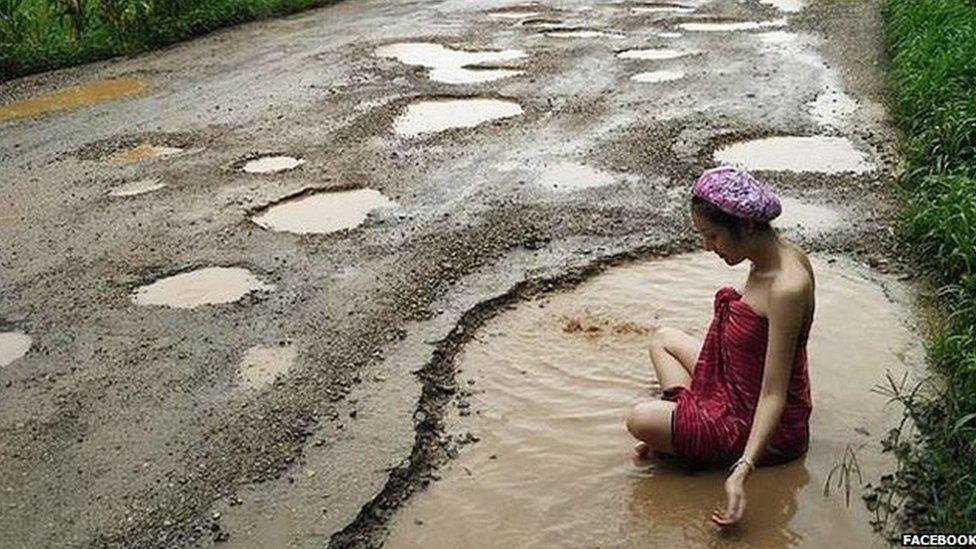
933	79
39	35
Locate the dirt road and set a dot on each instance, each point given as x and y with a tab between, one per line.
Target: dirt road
141	425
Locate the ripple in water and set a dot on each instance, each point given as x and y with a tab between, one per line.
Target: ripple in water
554	379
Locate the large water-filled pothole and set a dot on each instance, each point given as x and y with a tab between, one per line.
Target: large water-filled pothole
452	66
13	345
552	380
137	187
206	286
439	115
324	212
654	54
730	26
262	365
572	176
798	154
272	164
658	76
74	97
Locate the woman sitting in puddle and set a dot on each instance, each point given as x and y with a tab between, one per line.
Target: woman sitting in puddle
742	396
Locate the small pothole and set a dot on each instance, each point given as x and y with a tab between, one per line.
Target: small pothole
657	76
654	54
439	115
272	164
13	345
452	66
140	186
324	212
731	25
206	286
262	365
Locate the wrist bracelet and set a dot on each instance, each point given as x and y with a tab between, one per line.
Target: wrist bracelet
747	461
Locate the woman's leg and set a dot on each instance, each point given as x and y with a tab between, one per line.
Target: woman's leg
650	423
673	356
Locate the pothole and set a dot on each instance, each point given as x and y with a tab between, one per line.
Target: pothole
324	212
13	345
137	187
440	115
786	6
581	33
514	14
662	8
731	26
142	152
74	97
657	76
546	385
669	34
654	54
262	365
206	286
573	176
272	164
449	65
802	216
797	154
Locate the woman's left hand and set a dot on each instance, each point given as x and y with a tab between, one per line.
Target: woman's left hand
736	492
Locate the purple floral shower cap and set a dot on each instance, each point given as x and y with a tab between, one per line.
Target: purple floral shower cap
736	192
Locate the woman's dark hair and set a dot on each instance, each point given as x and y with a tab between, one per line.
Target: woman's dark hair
735	225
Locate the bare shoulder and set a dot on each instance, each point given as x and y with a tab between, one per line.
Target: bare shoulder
792	290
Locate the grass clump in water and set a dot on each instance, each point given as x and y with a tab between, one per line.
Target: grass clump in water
933	77
38	35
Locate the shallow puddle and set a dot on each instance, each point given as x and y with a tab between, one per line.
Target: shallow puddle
13	345
581	33
142	152
514	14
787	6
732	26
437	116
658	76
74	97
654	54
554	378
207	286
449	65
323	213
272	164
806	217
667	34
573	176
141	186
798	154
262	365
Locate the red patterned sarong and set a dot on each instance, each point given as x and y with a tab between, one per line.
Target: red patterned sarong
712	419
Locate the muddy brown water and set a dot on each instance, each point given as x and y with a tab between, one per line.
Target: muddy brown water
819	154
449	65
206	286
272	164
13	345
554	378
437	116
658	76
323	213
74	97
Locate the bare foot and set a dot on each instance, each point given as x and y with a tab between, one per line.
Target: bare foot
641	451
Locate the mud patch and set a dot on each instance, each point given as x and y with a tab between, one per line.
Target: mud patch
806	217
548	385
573	176
262	365
323	213
452	66
140	186
798	154
654	54
207	286
658	76
436	116
13	345
142	152
272	164
74	97
731	26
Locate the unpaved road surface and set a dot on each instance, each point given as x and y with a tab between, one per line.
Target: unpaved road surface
132	425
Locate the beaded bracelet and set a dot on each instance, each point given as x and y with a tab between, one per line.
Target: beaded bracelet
747	461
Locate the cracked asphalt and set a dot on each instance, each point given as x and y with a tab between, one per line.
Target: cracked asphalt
124	425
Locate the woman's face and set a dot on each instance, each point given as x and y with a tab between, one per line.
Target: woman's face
718	239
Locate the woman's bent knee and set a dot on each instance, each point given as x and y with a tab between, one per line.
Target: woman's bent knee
651	423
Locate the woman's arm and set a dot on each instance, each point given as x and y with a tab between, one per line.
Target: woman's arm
786	313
